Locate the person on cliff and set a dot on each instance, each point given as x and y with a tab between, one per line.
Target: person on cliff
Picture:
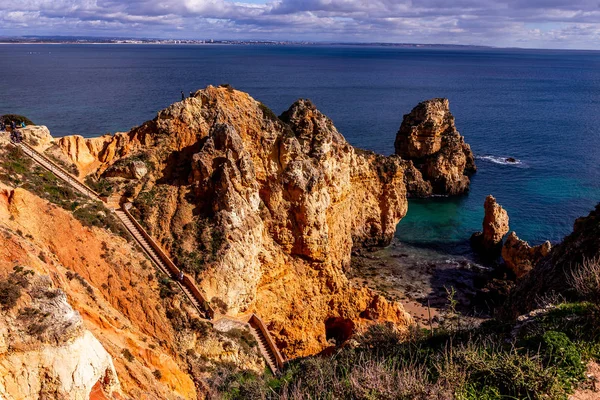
182	96
23	124
13	126
2	126
180	276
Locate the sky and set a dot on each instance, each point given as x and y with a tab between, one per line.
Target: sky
569	24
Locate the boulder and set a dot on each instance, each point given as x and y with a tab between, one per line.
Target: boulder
37	136
495	225
520	257
429	138
138	169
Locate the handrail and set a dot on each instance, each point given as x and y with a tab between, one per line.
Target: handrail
170	264
33	152
256	321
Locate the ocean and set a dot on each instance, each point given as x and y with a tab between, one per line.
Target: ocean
541	107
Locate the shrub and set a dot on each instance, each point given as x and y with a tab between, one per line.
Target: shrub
586	279
561	352
10	293
243	337
268	113
127	355
227	86
166	288
8	118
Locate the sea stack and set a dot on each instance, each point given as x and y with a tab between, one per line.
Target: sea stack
495	225
428	137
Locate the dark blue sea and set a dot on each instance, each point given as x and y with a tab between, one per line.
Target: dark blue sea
541	107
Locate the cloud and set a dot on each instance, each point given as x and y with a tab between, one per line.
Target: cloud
532	23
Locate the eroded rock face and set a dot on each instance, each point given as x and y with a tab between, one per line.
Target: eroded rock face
495	226
552	274
264	212
520	257
38	136
108	283
51	354
95	154
429	138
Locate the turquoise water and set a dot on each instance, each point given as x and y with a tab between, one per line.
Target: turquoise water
541	107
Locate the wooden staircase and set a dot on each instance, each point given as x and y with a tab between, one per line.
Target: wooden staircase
161	260
57	170
266	345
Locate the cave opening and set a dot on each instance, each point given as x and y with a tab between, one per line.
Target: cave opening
338	329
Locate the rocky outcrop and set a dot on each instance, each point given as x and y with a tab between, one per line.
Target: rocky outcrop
95	154
429	138
495	226
38	136
45	350
264	212
520	257
551	276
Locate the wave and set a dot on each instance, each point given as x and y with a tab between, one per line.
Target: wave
501	160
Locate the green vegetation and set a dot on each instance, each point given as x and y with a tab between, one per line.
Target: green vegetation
8	118
543	357
11	287
102	186
243	337
268	113
227	86
16	169
127	355
166	288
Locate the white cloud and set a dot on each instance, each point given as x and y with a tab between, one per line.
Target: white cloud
534	23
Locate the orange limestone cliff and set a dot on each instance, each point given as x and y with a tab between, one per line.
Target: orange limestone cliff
263	211
86	314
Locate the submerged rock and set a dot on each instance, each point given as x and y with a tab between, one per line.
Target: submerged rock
429	138
520	257
495	225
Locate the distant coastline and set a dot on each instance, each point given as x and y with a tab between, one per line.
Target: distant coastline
137	41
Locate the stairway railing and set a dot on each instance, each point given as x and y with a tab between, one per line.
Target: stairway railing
258	323
173	269
53	167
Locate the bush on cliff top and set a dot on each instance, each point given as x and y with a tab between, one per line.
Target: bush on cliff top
8	118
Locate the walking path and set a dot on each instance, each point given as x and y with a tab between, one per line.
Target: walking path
161	260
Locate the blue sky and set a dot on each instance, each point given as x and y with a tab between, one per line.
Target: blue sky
522	23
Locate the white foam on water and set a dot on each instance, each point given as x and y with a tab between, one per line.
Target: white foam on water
501	160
